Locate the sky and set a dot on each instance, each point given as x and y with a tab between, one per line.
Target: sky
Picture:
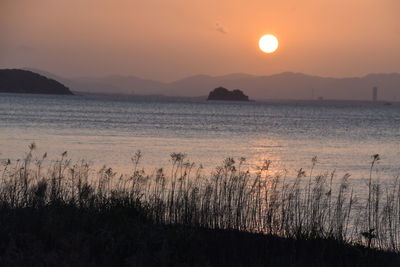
170	39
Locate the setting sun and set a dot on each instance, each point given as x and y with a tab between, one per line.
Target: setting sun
268	43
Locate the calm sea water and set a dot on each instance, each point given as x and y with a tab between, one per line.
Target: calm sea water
109	130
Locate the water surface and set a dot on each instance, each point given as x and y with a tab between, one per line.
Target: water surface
109	130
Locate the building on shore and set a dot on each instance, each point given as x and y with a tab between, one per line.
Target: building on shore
375	94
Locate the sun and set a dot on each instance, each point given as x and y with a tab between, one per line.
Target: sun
268	43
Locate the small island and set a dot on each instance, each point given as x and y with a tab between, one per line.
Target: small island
28	82
222	93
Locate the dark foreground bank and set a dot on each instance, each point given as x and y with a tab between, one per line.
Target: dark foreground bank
65	235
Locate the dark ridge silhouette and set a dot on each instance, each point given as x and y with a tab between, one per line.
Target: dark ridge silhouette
222	93
23	81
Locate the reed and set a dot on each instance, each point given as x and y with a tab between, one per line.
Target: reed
307	206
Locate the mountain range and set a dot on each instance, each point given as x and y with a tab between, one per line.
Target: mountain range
286	85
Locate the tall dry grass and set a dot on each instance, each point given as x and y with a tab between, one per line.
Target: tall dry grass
306	206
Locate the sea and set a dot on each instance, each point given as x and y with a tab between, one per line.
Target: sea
108	131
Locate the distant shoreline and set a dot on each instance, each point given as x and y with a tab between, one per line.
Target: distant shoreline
327	101
204	98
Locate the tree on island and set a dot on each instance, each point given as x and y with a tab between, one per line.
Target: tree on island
222	93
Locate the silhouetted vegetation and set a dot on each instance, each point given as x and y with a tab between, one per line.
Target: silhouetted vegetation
61	214
23	81
221	93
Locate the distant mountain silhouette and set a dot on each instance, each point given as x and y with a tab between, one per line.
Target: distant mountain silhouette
222	93
23	81
287	85
119	84
290	85
112	84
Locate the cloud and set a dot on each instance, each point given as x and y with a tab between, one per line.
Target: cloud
219	28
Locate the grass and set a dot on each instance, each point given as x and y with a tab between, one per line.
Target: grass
61	214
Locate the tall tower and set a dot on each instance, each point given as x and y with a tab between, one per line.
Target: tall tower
375	94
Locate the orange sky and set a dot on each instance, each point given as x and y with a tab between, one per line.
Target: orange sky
171	39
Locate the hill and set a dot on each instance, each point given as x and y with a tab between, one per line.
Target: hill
23	81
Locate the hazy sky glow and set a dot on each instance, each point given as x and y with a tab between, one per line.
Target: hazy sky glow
169	39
